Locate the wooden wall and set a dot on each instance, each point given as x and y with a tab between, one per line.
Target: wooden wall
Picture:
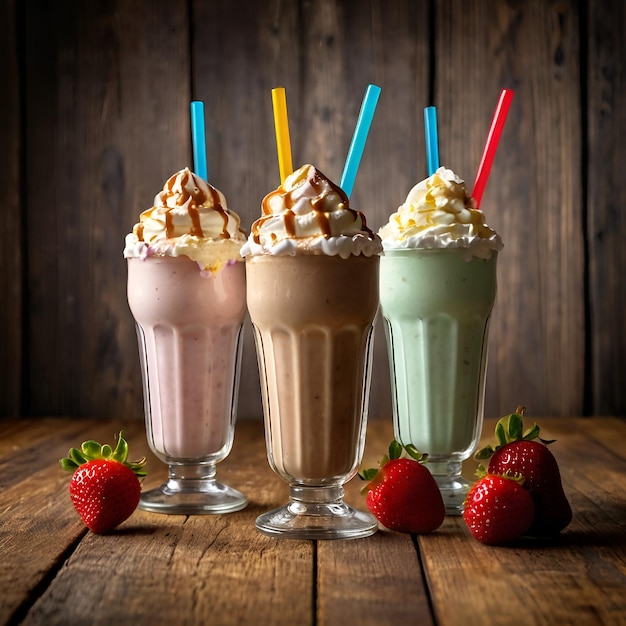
94	118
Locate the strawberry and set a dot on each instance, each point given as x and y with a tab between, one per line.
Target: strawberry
105	487
522	452
403	494
498	509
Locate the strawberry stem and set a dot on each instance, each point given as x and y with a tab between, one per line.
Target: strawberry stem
510	428
396	450
91	450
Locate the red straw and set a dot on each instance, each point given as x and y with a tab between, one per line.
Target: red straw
493	138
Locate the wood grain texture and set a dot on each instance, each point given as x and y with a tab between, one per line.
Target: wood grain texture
31	482
357	581
534	193
239	56
204	563
97	106
96	118
606	93
542	580
11	245
220	570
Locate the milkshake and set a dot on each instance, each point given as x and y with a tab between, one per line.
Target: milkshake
186	290
437	291
312	292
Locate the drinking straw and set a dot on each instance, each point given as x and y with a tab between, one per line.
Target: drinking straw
432	140
281	124
355	152
493	138
198	139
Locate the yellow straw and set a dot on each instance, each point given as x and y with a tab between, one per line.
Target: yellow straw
281	124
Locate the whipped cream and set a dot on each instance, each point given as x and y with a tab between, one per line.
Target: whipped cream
189	218
440	213
308	214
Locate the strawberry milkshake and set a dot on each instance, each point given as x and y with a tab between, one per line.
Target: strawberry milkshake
312	293
186	290
437	291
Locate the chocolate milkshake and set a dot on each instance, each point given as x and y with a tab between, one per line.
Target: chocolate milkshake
312	293
315	334
186	290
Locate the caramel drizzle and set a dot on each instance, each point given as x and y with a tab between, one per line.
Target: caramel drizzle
319	205
193	199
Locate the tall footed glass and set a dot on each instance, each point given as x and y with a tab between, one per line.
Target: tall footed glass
313	319
436	306
189	327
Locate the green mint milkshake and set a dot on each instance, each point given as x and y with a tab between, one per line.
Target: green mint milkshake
437	291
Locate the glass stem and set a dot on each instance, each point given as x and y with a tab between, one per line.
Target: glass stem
193	477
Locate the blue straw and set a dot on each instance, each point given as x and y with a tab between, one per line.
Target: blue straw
432	141
198	139
357	146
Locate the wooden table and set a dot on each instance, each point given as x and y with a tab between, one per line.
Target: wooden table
178	570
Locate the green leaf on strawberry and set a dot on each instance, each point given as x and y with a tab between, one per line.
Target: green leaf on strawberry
367	475
414	453
91	450
395	450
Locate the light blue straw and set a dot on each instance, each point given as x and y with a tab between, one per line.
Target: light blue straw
432	141
198	139
357	146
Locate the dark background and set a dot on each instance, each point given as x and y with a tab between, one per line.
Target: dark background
94	116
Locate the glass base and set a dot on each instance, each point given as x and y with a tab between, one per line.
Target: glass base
452	485
186	494
317	513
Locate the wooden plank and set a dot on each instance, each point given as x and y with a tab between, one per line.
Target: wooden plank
102	132
597	489
398	61
358	581
33	544
212	565
38	442
11	250
606	91
238	57
534	195
575	578
18	437
220	569
37	521
522	585
107	90
606	432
